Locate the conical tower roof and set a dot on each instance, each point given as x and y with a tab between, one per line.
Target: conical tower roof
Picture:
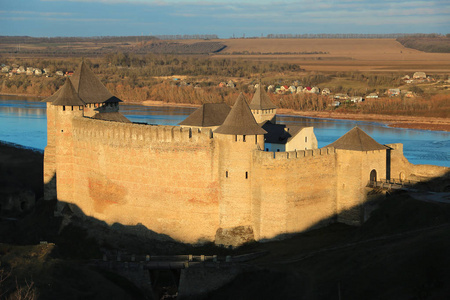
209	114
53	97
88	86
67	96
261	100
357	140
240	120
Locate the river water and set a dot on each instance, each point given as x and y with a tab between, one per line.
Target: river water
23	121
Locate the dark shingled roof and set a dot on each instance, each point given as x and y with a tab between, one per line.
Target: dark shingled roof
67	96
277	134
113	99
111	116
261	100
88	86
52	97
240	120
357	140
209	114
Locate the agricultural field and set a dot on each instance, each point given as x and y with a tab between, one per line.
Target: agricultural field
371	55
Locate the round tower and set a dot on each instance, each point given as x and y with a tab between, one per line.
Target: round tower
67	105
237	138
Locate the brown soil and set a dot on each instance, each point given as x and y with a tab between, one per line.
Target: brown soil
341	54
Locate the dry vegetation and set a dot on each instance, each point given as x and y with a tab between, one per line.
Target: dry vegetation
438	44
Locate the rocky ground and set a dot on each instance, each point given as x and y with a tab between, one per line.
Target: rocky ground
399	253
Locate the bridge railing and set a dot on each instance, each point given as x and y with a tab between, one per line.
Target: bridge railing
392	183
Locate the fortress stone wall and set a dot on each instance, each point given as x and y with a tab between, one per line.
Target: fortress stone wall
195	185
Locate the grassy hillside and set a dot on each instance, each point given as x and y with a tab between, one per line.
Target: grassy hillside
439	44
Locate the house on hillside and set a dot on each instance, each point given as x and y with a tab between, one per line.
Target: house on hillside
270	88
393	92
419	75
356	99
231	84
292	89
372	96
315	90
59	73
341	97
326	91
21	70
307	89
406	77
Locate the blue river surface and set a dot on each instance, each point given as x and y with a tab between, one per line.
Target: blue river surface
23	121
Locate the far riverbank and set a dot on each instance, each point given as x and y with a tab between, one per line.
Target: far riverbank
409	122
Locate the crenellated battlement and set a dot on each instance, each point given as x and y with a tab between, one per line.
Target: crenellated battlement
136	135
289	155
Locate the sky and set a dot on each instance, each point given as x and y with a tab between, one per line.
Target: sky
225	18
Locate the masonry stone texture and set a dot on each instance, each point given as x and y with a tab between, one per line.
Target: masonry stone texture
196	185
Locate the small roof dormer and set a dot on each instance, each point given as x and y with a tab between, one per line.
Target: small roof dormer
66	96
240	120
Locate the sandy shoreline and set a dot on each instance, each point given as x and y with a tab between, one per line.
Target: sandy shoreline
411	122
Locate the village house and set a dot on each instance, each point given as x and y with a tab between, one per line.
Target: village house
419	75
393	92
292	89
341	97
21	70
356	99
30	71
6	69
231	84
315	90
326	91
299	89
372	96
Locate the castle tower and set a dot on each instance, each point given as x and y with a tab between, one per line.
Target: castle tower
49	152
92	91
262	107
209	115
67	105
360	159
237	138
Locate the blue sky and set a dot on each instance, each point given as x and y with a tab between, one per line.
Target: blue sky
225	18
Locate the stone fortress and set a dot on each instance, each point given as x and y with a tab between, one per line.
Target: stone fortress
223	175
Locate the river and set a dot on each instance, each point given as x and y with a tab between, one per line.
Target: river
23	121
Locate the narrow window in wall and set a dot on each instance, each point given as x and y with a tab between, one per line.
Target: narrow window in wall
64	108
306	139
72	108
267	149
246	175
235	138
278	150
243	138
256	139
226	174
